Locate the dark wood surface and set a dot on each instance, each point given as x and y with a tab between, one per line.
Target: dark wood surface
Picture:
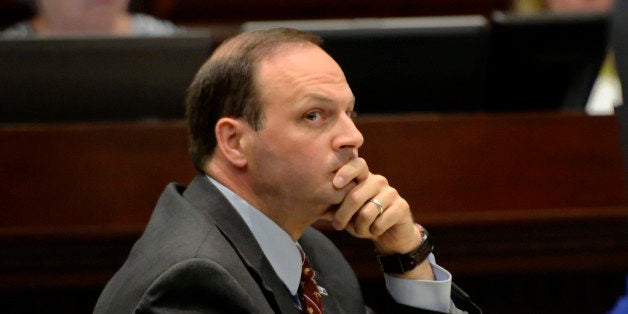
502	194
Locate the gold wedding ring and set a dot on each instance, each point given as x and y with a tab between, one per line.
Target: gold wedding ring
379	205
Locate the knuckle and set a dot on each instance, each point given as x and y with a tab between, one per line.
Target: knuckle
375	230
353	197
404	205
363	162
394	191
381	179
363	215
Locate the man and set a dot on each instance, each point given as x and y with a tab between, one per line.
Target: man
270	117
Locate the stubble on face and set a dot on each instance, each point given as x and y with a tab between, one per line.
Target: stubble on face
292	162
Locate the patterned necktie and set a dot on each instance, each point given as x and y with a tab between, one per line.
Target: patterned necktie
310	297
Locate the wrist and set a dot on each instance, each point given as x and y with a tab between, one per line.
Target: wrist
400	263
401	244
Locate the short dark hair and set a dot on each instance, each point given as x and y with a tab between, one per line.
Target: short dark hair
224	86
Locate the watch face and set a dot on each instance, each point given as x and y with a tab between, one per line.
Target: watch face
422	230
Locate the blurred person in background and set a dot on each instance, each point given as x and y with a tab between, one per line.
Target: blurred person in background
583	6
562	6
88	17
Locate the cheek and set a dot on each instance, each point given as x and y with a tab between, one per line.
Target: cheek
301	166
301	163
292	155
313	160
297	150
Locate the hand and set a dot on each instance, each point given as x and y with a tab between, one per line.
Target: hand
393	231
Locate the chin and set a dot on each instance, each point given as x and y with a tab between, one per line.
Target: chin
329	213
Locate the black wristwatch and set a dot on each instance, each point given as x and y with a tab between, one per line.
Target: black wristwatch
401	263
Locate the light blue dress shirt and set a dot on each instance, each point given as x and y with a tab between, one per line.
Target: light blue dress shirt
283	254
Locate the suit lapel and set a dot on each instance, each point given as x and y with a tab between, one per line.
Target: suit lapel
204	196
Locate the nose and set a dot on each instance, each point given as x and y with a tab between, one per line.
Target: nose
348	135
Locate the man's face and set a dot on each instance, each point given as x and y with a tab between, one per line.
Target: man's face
307	131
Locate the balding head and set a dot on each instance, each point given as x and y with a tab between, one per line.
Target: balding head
224	85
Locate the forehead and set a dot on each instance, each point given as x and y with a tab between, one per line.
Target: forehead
299	65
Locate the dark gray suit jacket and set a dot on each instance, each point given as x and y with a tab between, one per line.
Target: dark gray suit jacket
197	255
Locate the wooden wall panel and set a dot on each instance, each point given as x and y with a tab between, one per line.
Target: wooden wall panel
103	174
502	195
81	174
498	162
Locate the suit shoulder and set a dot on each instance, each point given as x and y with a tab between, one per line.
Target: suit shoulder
196	284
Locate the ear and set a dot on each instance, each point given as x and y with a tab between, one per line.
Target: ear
229	136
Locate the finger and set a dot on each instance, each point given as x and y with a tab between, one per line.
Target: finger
369	213
357	198
362	221
354	169
393	215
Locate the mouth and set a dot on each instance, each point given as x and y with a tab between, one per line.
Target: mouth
343	160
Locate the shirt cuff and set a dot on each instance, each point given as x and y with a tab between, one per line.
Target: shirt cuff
425	294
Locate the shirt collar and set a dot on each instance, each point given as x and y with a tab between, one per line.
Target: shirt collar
278	247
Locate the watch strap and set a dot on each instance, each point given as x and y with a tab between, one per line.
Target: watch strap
401	263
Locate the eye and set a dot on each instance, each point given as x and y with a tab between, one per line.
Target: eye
313	115
352	114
